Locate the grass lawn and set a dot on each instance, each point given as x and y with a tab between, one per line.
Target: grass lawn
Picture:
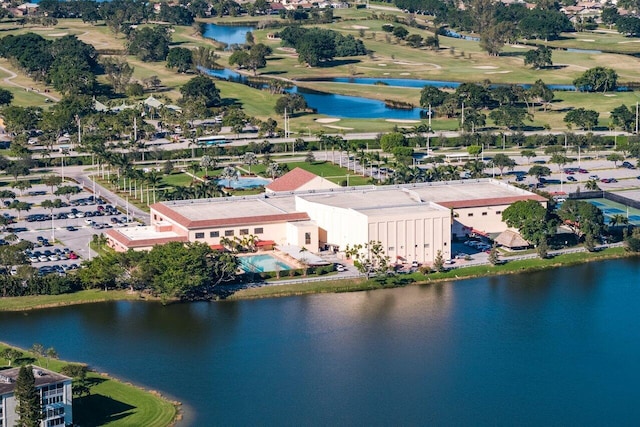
328	170
32	302
111	402
510	267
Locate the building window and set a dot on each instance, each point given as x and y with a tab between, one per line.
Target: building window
228	233
392	248
307	238
244	231
199	235
258	230
426	245
484	214
155	216
498	212
470	214
214	234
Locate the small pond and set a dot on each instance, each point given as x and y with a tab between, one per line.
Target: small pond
229	34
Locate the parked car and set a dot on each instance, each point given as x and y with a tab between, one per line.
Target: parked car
571	178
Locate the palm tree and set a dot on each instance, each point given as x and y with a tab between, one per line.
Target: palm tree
51	205
249	159
273	170
592	185
153	178
618	219
19	207
229	173
207	162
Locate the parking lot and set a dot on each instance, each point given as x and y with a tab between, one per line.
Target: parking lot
61	236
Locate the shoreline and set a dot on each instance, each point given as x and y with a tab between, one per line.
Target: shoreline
181	412
37	302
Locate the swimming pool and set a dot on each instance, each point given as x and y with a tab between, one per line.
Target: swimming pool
243	182
262	263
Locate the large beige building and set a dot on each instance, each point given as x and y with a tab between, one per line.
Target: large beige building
412	221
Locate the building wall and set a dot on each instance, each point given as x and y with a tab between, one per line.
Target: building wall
416	236
8	403
318	183
487	219
297	235
341	226
276	232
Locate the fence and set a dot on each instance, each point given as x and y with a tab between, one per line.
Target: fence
614	197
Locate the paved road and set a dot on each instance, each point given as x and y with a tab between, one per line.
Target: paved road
12	75
82	177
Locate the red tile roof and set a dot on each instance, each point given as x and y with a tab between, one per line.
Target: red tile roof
291	181
131	243
222	222
474	203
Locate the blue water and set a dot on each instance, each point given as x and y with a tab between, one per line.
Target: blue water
262	263
335	105
595	52
227	34
244	182
551	348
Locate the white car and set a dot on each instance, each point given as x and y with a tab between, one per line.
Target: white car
88	221
340	267
71	215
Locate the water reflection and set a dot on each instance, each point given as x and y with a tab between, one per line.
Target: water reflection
552	347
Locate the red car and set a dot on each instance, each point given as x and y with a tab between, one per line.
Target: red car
72	255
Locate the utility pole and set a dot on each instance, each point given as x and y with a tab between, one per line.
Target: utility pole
80	132
462	119
636	117
135	128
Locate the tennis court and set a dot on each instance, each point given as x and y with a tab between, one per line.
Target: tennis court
610	208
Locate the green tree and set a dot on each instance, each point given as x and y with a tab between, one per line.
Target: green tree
150	43
438	262
431	95
179	58
582	218
118	72
623	117
509	116
529	154
29	408
201	88
291	103
369	259
615	158
597	79
539	171
5	97
531	219
538	58
11	354
502	161
586	119
392	140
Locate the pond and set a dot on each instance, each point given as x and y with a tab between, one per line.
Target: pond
335	105
555	347
229	34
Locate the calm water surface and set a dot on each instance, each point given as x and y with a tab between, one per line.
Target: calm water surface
550	348
229	34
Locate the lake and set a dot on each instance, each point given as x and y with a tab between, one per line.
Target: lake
557	347
229	34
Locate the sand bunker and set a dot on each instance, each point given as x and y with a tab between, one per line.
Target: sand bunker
486	67
405	74
498	72
402	121
359	27
629	41
587	40
386	74
337	127
519	46
57	34
328	120
382	65
610	94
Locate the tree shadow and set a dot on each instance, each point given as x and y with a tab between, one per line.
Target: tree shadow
97	409
272	73
338	62
23	361
512	54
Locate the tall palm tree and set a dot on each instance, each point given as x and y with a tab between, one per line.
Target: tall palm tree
249	159
229	173
273	170
618	219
